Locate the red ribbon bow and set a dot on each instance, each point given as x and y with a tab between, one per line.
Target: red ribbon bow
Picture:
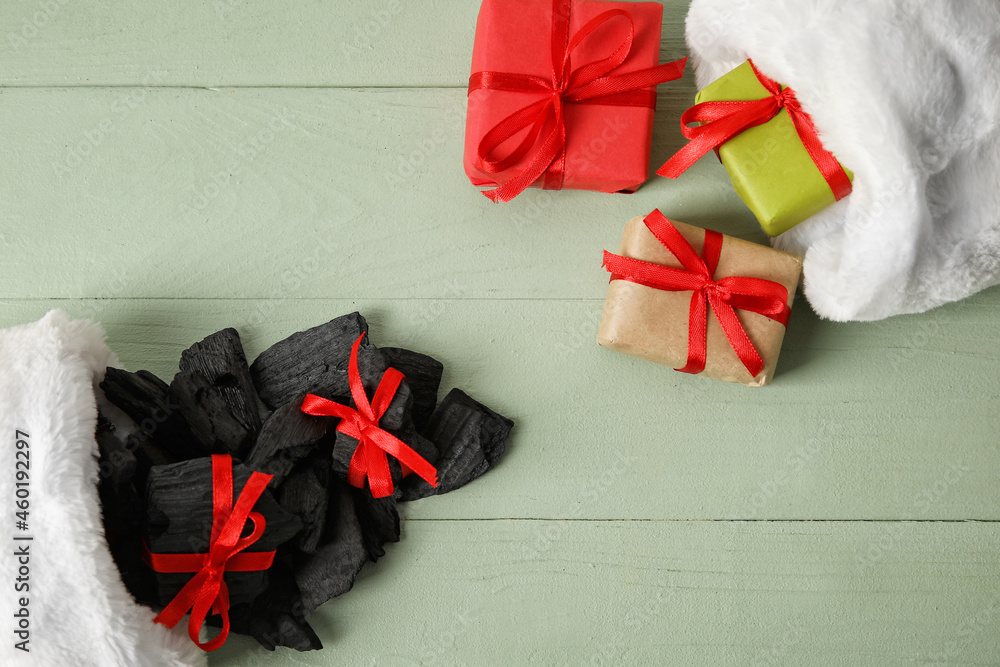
725	295
207	589
586	84
369	458
721	120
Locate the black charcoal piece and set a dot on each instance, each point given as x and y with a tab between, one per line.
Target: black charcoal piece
470	438
379	520
221	359
331	571
122	513
343	450
306	494
179	511
145	398
117	463
147	454
427	449
344	446
214	426
157	483
286	437
276	617
316	360
423	374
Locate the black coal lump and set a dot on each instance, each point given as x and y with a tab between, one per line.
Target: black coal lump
117	463
315	361
213	424
145	398
148	453
344	447
122	512
286	437
221	359
276	617
306	494
379	520
178	520
470	438
423	374
331	571
427	449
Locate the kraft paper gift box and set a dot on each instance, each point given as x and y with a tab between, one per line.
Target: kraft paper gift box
658	324
772	170
607	141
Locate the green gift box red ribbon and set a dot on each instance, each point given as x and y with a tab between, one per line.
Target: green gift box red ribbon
786	189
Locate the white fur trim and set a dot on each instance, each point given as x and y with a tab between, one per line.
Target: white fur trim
80	612
906	93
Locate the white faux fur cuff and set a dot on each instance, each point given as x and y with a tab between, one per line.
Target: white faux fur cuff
906	93
63	591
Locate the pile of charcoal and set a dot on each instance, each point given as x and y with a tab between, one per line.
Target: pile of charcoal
156	441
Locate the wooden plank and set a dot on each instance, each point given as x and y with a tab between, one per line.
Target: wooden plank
689	593
160	193
887	421
228	175
250	43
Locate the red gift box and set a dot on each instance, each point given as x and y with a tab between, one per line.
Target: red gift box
562	95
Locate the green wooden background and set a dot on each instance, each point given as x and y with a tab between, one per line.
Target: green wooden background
175	168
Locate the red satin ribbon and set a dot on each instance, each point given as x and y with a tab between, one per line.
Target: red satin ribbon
586	84
757	295
369	458
721	120
207	590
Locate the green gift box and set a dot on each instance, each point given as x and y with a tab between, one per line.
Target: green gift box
774	172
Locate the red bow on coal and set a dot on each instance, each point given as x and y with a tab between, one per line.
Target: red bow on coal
721	120
724	295
207	590
369	458
586	84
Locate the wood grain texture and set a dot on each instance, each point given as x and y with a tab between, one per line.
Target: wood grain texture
654	593
861	422
262	186
175	170
251	42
